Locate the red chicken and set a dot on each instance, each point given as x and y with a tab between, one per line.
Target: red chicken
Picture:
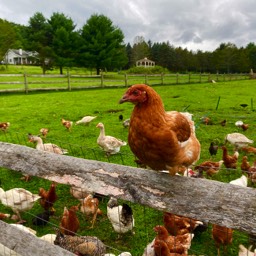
160	140
222	236
176	244
210	167
230	161
161	249
249	150
90	207
179	225
68	124
69	223
4	126
48	197
245	165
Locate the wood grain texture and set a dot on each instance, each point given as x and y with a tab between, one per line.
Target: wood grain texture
206	200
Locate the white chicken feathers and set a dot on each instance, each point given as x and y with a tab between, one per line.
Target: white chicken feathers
238	140
109	144
120	216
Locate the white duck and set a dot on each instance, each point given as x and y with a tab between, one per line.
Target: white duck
18	199
86	120
238	140
109	144
48	147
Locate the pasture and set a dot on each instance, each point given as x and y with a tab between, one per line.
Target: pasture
29	113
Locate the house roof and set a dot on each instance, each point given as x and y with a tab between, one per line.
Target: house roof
23	53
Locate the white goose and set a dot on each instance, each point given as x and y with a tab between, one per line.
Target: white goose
238	140
109	144
48	147
19	200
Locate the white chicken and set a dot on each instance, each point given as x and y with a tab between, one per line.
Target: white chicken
109	144
86	120
238	140
242	181
245	252
48	147
120	216
18	199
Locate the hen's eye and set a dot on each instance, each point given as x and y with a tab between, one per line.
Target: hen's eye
135	93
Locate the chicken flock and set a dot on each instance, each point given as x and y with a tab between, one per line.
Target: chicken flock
160	140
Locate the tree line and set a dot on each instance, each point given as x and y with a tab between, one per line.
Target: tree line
99	45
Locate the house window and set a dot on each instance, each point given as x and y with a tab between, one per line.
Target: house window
10	60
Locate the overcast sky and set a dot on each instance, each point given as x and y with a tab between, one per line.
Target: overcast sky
194	24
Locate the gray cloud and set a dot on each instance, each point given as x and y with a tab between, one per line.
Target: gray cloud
194	24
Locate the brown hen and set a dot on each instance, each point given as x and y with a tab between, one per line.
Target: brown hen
160	140
69	223
68	124
230	161
179	225
90	207
210	167
161	249
176	244
222	236
245	165
4	126
48	197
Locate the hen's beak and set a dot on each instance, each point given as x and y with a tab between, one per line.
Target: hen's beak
123	99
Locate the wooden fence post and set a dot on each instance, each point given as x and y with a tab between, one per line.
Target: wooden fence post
177	78
102	80
25	83
162	78
68	76
146	79
125	80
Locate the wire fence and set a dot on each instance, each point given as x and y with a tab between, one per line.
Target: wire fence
146	218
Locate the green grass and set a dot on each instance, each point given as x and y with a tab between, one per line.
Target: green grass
29	113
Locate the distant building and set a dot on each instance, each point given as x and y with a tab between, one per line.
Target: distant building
146	63
16	57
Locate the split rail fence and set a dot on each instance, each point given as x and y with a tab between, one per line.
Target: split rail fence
210	201
31	82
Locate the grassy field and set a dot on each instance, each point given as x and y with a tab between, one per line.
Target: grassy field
29	113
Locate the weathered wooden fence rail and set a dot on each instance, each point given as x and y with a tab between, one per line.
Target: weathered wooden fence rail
30	82
203	199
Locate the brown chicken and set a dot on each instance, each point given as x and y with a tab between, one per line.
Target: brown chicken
68	124
179	225
90	207
244	127
4	216
222	236
176	244
48	197
210	167
252	172
161	249
4	126
245	165
230	161
44	132
69	222
249	150
160	140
